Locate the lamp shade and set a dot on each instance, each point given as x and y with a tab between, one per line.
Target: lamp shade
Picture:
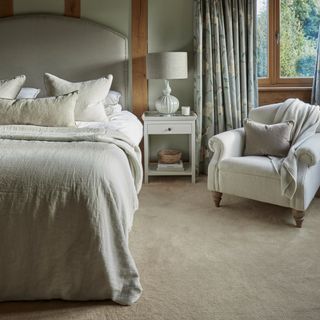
167	65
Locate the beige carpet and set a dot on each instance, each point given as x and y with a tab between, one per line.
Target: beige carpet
242	261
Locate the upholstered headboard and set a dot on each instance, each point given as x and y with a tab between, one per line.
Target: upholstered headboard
74	49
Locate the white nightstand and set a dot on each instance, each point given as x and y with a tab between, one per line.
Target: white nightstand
156	124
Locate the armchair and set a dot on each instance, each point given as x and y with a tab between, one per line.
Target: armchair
254	177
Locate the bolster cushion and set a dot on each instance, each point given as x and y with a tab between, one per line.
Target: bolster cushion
49	112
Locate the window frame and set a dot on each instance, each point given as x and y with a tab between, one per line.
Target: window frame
274	79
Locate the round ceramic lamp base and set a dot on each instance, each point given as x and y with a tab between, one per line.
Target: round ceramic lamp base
167	104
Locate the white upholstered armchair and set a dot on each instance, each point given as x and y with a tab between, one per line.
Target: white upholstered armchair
254	177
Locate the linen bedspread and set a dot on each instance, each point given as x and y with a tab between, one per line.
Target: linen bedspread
67	201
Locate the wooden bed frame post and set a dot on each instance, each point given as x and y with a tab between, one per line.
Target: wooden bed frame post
72	8
6	8
139	51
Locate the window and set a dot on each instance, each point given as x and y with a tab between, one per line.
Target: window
262	38
287	32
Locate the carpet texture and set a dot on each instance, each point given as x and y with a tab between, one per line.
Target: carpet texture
243	261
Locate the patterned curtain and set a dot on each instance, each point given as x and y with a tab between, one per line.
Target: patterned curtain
315	98
225	68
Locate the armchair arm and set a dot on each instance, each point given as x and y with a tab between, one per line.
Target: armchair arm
223	145
309	151
227	144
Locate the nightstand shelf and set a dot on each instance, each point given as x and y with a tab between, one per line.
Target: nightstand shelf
156	124
154	172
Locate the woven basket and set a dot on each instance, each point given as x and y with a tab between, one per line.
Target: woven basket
169	156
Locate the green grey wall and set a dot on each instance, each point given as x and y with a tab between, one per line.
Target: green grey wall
170	29
38	6
113	13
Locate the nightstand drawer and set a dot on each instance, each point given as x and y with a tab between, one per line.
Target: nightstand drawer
169	128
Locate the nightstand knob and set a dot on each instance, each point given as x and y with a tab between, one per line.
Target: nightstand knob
169	129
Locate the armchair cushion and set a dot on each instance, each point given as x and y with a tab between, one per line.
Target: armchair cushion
263	139
251	165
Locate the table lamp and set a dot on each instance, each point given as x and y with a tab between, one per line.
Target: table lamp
167	65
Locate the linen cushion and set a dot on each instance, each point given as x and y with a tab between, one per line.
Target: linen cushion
113	109
9	89
267	139
112	98
28	93
49	112
250	165
89	106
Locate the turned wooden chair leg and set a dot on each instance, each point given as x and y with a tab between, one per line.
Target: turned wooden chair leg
216	198
298	217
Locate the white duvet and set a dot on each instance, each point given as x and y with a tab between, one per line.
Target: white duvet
124	122
67	201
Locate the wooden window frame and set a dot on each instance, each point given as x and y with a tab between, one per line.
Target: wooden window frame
274	79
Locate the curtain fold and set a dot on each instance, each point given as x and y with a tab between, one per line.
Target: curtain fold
225	68
315	97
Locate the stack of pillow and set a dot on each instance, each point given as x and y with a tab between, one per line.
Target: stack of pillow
67	102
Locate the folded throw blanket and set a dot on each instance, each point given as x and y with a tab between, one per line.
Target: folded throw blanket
306	119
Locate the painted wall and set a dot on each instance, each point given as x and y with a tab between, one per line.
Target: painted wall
171	29
38	6
114	13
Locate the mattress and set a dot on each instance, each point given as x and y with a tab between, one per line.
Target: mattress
124	122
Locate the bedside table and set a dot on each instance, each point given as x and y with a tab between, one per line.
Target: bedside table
156	124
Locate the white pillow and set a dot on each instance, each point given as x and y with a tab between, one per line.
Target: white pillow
89	106
112	98
28	93
112	109
49	112
9	89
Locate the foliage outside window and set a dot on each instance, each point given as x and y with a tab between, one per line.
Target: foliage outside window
287	32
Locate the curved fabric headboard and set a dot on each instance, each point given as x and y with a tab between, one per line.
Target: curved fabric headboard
73	49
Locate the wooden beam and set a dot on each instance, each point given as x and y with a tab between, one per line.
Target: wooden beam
6	8
139	51
72	8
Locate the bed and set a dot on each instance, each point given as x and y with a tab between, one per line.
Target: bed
68	195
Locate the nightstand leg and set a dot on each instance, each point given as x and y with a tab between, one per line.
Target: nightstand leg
146	158
193	154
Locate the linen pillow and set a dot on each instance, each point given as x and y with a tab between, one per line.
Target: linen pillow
89	106
9	89
112	98
28	93
267	140
113	109
49	112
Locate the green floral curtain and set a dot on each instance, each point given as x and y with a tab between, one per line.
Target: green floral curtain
225	68
315	99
